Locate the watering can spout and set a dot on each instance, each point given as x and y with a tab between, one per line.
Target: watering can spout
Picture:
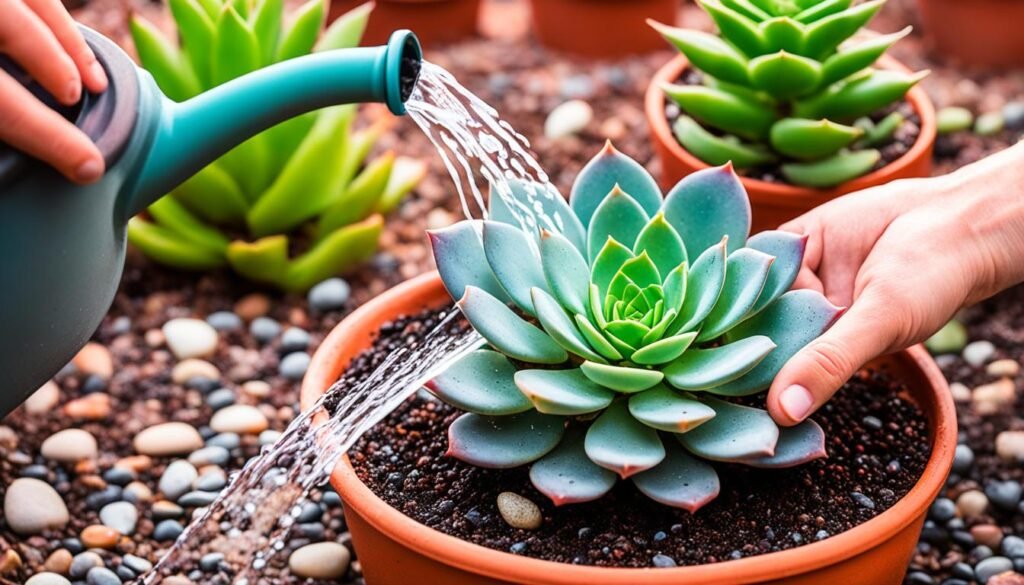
193	133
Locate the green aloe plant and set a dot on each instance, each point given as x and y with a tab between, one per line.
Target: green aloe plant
781	87
309	173
639	323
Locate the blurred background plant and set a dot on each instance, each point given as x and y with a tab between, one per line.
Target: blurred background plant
304	184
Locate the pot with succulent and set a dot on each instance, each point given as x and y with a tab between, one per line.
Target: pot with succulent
601	29
633	343
306	179
435	21
803	112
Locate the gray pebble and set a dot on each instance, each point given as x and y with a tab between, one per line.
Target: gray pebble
269	437
862	500
942	510
210	562
991	567
309	512
121	325
224	321
121	476
125	573
209	456
177	479
138	565
220	398
40	472
329	295
121	516
197	499
313	531
264	329
227	440
663	561
167	530
963	459
1004	494
82	563
1013	114
517	548
294	365
211	482
107	495
1012	546
102	576
294	339
331	499
577	87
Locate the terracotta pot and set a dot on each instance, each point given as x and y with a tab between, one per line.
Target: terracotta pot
396	550
984	33
602	29
433	21
777	203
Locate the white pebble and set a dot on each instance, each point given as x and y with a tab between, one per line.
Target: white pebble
992	398
322	560
44	399
977	353
239	418
47	579
1010	445
69	446
190	338
32	506
177	479
568	119
1003	368
173	438
186	370
960	392
972	503
518	511
121	516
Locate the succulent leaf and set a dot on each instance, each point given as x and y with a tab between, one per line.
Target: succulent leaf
881	133
674	288
717	150
740	30
736	433
748	9
197	31
170	247
347	30
620	378
560	326
459	253
817	11
745	276
236	50
566	271
680	480
562	392
797	445
664	350
482	382
360	197
606	170
513	262
406	173
729	112
265	260
823	36
172	72
639	271
508	332
782	34
620	443
811	139
300	37
788	250
709	369
859	97
567	476
858	57
596	339
704	284
618	217
606	265
337	253
831	171
707	52
213	195
661	242
668	410
707	205
171	214
501	442
785	75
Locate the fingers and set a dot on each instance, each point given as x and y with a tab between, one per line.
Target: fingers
65	30
31	43
814	374
30	126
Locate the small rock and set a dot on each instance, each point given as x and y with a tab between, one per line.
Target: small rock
189	369
1012	546
69	446
950	339
953	119
138	565
32	506
99	536
58	562
210	482
942	510
663	561
47	579
218	399
1005	495
1003	368
197	499
269	437
164	510
992	566
518	511
44	399
567	119
190	338
294	339
121	516
977	353
224	321
322	560
252	305
993	398
173	438
209	562
89	407
177	479
209	456
294	365
960	392
83	563
1010	445
102	576
1013	114
264	329
256	388
94	359
862	500
137	492
167	530
1008	578
10	561
239	418
989	124
329	295
438	218
972	503
97	500
963	459
226	440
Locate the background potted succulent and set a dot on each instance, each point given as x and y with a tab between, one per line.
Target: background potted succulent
984	33
601	29
307	177
434	21
600	368
779	92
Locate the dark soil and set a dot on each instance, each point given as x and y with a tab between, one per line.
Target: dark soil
877	446
903	139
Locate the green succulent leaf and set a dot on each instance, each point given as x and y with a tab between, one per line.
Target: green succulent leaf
513	262
508	332
663	350
747	8
360	197
788	250
680	480
300	37
717	150
736	433
835	170
620	443
337	253
708	369
707	205
266	24
169	213
605	266
626	331
213	195
823	36
667	410
707	52
482	382
236	50
729	112
674	288
858	57
286	138
883	132
819	10
171	71
567	476
782	33
745	276
265	260
704	285
347	30
171	248
797	445
566	271
606	170
812	139
661	242
791	321
639	271
406	173
618	217
627	380
785	75
502	442
562	392
197	31
560	326
860	97
740	30
459	253
212	8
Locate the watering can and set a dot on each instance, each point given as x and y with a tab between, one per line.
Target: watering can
64	244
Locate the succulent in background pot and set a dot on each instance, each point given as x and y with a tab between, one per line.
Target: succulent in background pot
308	175
984	33
600	29
779	91
433	21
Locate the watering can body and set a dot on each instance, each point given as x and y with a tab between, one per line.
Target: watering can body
64	244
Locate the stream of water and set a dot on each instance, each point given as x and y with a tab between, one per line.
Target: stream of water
251	519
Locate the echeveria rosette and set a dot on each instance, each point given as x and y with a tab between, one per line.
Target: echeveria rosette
619	351
780	85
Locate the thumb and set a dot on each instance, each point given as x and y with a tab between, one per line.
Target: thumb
818	370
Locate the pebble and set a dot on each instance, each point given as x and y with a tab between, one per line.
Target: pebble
239	418
69	446
1012	546
256	388
322	560
993	398
269	437
252	305
329	295
102	576
177	479
220	398
989	124
960	392
1003	368
294	339
209	456
173	438
83	563
97	500
189	369
10	562
567	119
32	506
663	561
950	339
226	440
99	536
1013	114
210	482
942	510
518	511
862	500
294	365
58	562
190	338
264	329
47	579
167	530
94	359
988	535
1008	578
138	565
209	562
44	399
963	459
972	503
977	353
164	510
990	567
953	119
1004	494
197	499
93	407
1010	445
121	516
224	321
137	492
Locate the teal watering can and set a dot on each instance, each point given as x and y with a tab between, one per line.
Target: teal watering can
62	246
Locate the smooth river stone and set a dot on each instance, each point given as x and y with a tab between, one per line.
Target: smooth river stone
190	338
69	446
173	438
121	516
518	511
239	418
32	506
47	579
177	479
322	560
44	399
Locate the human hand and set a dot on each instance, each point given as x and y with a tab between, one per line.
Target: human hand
904	257
41	37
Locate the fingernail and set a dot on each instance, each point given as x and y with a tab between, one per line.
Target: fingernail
796	402
98	73
89	171
74	92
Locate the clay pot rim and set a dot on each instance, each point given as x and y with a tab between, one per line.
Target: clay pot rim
427	291
654	106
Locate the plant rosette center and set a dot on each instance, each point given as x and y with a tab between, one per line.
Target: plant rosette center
620	342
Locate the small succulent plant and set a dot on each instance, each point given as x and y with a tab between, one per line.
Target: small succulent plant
780	87
638	326
309	172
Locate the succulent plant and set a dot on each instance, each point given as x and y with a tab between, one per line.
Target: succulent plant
632	334
781	87
308	173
